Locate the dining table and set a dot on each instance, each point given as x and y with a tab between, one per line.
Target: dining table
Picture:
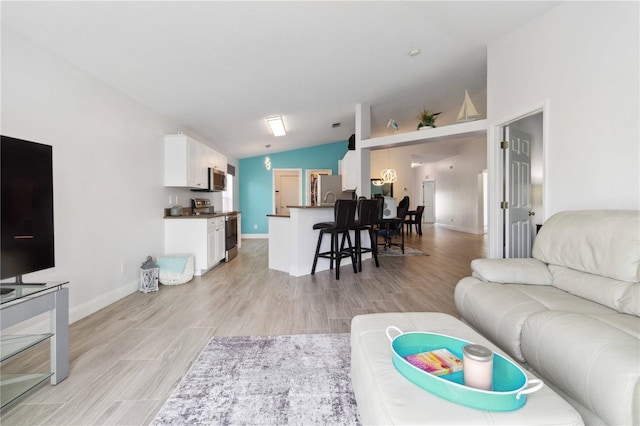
388	225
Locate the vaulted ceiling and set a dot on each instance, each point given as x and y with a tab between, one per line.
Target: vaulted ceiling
218	69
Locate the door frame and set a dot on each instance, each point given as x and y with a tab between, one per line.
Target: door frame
495	235
424	202
276	173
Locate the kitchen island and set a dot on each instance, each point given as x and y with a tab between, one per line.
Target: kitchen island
292	240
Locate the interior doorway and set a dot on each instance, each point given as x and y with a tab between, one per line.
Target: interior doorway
287	190
522	197
429	201
311	189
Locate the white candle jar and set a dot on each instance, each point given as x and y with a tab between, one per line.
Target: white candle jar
477	361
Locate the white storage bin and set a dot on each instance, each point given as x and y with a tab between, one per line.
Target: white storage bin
170	276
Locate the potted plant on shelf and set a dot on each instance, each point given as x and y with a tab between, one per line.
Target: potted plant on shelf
427	119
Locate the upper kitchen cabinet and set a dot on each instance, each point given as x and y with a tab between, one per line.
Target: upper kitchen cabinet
186	162
349	168
218	161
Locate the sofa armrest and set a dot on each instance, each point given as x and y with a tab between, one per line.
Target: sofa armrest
512	271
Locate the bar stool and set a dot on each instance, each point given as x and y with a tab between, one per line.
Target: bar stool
344	219
369	214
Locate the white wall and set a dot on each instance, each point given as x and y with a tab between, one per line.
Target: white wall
457	203
581	60
398	159
456	188
108	165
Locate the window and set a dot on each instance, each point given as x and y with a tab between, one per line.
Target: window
227	195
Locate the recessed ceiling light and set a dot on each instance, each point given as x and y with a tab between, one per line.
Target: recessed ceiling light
414	52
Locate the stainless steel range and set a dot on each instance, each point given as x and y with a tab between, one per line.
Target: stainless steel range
231	235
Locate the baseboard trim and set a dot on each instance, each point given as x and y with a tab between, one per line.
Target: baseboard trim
459	229
254	236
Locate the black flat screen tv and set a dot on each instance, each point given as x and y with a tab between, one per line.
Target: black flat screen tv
26	243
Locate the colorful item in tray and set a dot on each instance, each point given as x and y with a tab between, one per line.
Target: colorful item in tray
437	362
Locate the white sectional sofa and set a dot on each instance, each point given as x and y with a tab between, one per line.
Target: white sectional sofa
571	314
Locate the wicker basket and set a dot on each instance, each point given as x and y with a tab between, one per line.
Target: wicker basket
173	278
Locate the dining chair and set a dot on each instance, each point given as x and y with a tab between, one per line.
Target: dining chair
390	228
415	219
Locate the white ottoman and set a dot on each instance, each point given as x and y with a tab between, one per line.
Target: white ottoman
386	397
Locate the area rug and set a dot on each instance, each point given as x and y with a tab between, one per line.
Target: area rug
397	251
257	380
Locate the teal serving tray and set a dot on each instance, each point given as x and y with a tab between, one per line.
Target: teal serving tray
510	385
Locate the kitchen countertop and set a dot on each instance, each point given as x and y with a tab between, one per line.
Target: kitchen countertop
300	207
189	215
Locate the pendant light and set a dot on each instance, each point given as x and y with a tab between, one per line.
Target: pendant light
388	175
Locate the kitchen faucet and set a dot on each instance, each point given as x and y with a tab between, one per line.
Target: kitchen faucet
327	195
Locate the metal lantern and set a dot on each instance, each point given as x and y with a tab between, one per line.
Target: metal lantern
149	276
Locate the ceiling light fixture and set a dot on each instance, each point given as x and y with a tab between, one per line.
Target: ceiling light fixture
277	125
388	175
414	52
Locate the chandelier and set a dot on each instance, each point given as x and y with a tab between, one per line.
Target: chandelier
388	176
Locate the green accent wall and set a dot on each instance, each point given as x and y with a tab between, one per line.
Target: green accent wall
256	182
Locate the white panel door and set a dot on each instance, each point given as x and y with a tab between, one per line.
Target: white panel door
429	201
518	192
287	190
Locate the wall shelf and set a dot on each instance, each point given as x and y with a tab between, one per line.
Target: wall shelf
365	143
470	128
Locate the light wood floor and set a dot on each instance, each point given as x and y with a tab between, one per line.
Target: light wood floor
127	358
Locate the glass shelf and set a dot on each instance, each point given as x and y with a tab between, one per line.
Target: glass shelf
13	386
12	345
22	291
23	302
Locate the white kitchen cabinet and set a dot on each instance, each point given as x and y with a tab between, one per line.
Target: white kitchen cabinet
219	161
350	170
215	240
204	238
184	162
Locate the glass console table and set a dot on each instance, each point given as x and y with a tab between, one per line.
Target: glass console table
21	304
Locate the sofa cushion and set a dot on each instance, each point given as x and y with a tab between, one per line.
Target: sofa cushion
590	358
600	242
630	301
516	271
498	311
602	290
477	301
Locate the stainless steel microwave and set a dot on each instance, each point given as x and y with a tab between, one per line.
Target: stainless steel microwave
217	181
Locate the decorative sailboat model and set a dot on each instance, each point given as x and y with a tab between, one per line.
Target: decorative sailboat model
468	112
